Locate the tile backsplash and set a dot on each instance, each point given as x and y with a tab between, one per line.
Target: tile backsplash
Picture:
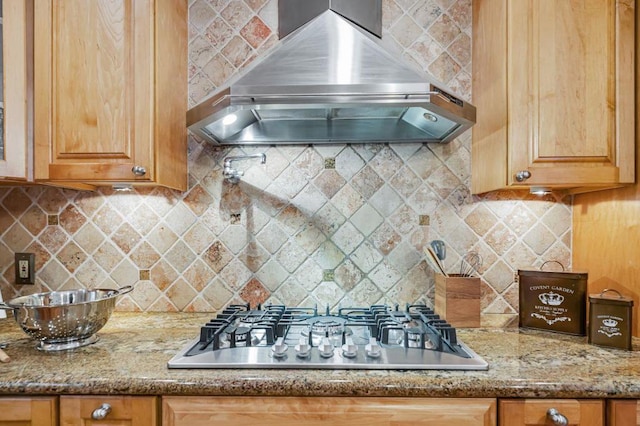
326	225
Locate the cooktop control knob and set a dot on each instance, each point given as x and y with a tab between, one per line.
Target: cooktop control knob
373	349
326	348
303	349
279	349
349	350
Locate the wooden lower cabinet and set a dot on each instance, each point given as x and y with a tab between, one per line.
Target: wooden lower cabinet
583	412
121	411
353	411
23	411
623	412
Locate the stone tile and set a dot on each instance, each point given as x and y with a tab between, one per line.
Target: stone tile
310	237
198	200
309	200
347	238
272	274
329	182
144	256
291	290
35	220
366	257
348	163
253	256
444	30
198	275
291	255
17	202
385	238
328	219
200	14
179	219
107	255
71	256
235	275
328	294
386	163
52	200
256	32
460	49
181	294
90	274
145	294
405	31
367	182
217	295
54	274
125	273
405	182
254	293
385	276
347	200
444	68
126	238
348	275
198	238
180	256
217	256
218	33
366	219
236	13
52	238
461	13
237	51
161	238
386	200
218	70
425	13
480	220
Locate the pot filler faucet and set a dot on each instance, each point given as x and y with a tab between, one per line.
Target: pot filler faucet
232	175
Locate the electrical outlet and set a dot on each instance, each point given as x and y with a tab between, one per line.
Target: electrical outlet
25	268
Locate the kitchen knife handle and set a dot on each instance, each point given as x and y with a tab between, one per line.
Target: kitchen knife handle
556	418
101	412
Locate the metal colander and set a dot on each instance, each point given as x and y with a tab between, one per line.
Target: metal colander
64	319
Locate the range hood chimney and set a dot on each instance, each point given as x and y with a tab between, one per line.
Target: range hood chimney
330	80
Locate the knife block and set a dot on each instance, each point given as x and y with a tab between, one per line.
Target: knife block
458	300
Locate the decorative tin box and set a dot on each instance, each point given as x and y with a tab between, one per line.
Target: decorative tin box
610	319
554	301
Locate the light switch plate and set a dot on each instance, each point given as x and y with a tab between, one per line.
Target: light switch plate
25	268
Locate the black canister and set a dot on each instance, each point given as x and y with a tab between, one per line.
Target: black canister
610	319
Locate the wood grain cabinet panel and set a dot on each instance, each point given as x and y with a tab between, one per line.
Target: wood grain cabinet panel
16	159
623	412
285	411
532	412
553	84
111	91
123	410
24	411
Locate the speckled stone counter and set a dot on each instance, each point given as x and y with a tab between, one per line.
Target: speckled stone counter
133	350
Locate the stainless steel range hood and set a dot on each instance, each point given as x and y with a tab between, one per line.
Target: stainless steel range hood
330	81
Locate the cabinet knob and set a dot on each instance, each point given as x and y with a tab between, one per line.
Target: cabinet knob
523	175
139	170
101	412
556	418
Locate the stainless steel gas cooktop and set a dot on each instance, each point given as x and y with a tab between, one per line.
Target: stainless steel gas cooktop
375	337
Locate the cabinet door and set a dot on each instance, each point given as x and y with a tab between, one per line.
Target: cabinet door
623	412
285	411
123	410
94	89
516	412
37	411
16	137
556	100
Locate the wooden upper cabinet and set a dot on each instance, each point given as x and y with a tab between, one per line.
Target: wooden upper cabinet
532	412
16	141
23	411
111	91
327	411
553	84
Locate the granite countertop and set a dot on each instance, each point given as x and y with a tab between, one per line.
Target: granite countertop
132	353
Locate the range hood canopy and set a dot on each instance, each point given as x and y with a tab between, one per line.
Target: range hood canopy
330	81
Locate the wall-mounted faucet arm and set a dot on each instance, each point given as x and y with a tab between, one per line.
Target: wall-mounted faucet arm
232	175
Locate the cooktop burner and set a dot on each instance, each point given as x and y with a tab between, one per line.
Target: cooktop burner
375	337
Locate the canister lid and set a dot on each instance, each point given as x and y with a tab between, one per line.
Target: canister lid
564	274
612	297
